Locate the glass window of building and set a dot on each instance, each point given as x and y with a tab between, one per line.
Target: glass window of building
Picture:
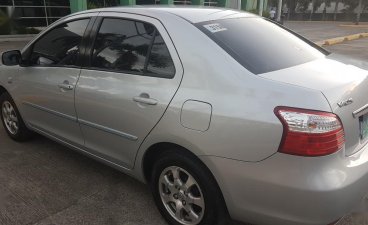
35	13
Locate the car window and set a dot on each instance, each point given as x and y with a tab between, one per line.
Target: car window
59	46
160	62
122	45
133	47
259	45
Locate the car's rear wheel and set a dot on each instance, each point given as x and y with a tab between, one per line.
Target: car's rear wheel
12	121
185	191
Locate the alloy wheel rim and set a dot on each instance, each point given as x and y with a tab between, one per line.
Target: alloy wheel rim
181	195
10	117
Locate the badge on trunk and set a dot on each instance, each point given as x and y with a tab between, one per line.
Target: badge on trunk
345	103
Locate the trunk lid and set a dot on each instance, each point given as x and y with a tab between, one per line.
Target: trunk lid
345	87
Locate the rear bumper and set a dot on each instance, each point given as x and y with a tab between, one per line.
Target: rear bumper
286	189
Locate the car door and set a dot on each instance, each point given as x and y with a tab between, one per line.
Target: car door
46	82
131	77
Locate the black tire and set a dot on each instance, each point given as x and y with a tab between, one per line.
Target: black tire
23	133
215	212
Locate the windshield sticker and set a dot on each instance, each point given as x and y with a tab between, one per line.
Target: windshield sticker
214	27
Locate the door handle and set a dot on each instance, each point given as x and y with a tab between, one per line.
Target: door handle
66	86
145	99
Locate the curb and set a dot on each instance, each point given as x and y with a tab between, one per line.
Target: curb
338	40
21	37
354	26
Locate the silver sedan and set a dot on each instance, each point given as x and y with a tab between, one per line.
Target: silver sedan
223	113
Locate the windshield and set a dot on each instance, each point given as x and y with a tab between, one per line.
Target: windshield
259	45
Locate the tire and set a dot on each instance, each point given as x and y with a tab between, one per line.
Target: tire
203	199
12	121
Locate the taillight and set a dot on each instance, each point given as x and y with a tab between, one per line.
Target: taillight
309	133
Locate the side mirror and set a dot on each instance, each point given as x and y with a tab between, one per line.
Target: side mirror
11	58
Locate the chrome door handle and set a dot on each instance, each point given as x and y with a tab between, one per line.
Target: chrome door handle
145	100
65	86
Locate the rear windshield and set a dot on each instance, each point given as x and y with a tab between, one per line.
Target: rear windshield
259	45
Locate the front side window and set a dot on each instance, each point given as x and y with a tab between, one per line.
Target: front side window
131	47
60	46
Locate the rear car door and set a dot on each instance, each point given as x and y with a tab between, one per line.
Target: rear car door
131	76
46	83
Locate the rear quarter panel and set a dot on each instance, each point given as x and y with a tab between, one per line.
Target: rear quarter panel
243	125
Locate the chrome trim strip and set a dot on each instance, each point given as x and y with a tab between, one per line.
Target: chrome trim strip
108	130
72	118
362	110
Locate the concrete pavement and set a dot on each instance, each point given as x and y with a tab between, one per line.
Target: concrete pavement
357	48
44	183
325	30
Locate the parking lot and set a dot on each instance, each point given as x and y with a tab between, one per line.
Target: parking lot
44	183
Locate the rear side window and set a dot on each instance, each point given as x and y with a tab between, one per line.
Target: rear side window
59	46
131	47
160	62
259	45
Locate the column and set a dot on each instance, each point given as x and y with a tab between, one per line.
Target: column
78	5
127	2
197	2
222	3
166	2
265	5
244	4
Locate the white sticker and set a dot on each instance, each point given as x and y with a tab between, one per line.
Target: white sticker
214	27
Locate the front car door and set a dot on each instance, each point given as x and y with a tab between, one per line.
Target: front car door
129	81
46	83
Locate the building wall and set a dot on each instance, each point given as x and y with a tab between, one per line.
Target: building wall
41	13
35	13
79	5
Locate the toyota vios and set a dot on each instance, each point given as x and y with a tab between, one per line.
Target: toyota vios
221	112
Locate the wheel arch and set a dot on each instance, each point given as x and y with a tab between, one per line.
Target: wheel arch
153	153
2	90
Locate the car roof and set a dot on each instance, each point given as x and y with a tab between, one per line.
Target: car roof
190	13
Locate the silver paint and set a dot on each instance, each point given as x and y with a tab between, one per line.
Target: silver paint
240	146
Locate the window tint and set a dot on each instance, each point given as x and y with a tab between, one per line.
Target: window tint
259	45
160	62
122	45
60	46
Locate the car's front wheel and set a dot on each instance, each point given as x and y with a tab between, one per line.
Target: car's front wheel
185	191
11	119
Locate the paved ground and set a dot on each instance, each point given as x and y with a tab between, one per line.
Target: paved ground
320	31
356	48
44	183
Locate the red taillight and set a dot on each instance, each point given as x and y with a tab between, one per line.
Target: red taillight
309	133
